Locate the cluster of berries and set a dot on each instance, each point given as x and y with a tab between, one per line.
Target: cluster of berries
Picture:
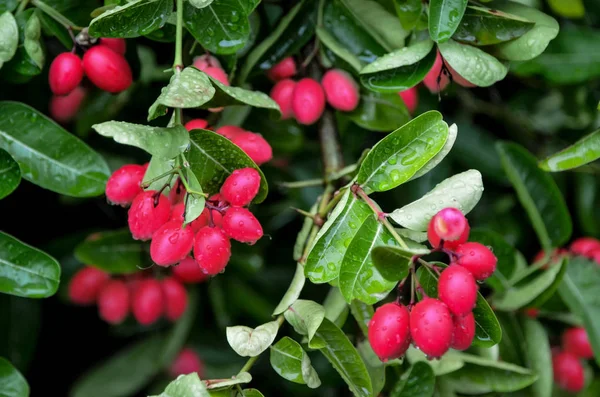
305	99
588	247
568	371
187	362
436	325
104	65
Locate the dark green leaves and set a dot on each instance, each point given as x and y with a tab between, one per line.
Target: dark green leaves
10	174
48	155
12	383
291	362
379	112
381	24
114	252
483	26
391	262
444	18
538	194
9	32
584	151
26	271
418	381
133	19
408	12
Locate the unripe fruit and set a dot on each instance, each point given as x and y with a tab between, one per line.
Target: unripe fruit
575	340
241	187
410	98
431	327
308	101
463	331
584	246
86	284
389	331
177	212
476	258
212	250
148	302
113	301
431	79
66	72
187	362
255	146
171	243
218	74
149	211
117	45
199	124
568	372
282	94
107	69
284	69
458	290
448	224
341	90
64	108
124	184
241	225
230	131
188	271
203	61
175	298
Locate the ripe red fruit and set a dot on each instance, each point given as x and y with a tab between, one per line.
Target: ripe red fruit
255	146
188	271
449	224
595	256
212	250
431	79
124	184
204	220
284	69
187	362
171	243
200	124
463	331
64	108
147	302
107	69
241	225
458	290
117	45
86	284
217	73
282	94
431	327
203	61
568	372
584	246
177	213
341	90
410	98
241	187
389	331
113	301
476	258
230	131
149	211
175	298
308	101
575	340
65	73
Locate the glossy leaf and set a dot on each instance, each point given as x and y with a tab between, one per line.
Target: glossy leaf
538	194
336	308
505	268
409	12
10	174
194	200
338	49
438	158
379	112
133	19
539	357
229	96
417	381
303	235
22	67
375	367
362	313
381	24
22	318
587	201
10	37
200	3
392	262
449	362
293	292
582	152
157	167
248	342
306	317
188	385
291	362
12	382
444	18
115	252
398	156
48	155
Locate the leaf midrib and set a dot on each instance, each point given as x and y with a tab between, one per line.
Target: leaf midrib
27	270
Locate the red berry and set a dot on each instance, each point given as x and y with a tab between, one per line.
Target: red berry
187	362
341	90
204	220
230	131
177	213
282	94
124	184
584	246
148	302
284	69
107	69
568	372
241	187
308	101
595	256
117	45
212	250
476	258
463	331
410	98
203	61
171	243
64	108
255	146
449	224
113	301
188	271
217	73
175	298
431	327
458	290
65	73
149	211
434	238
241	225
575	340
194	124
86	284
431	79
532	312
389	332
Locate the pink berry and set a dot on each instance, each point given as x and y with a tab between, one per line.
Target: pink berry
431	327
66	72
175	298
389	331
187	362
230	131
584	246
568	372
282	93
171	243
341	90
117	45
449	224
218	74
149	211
196	124
410	98
188	271
463	332
241	187
113	301
575	340
204	61
476	258
85	285
255	146
308	101
64	108
148	302
435	241
283	70
431	79
205	220
107	69
212	250
458	290
241	225
124	184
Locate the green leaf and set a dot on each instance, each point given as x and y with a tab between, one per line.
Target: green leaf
249	393
538	194
582	152
10	174
189	89
242	377
449	362
115	252
293	291
474	65
539	357
418	381
409	12
33	47
194	201
48	155
375	367
188	385
444	18
568	8
452	134
157	167
228	96
303	234
200	3
379	112
461	191
22	318
8	5
10	37
586	203
306	317
291	362
21	67
213	158
133	19
505	268
336	308
391	262
248	342
398	156
12	383
382	25
362	313
339	50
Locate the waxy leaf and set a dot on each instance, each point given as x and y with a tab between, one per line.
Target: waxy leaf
379	112
582	152
133	19
228	96
188	385
484	26
452	134
248	342
115	252
12	382
538	356
9	32
306	317
291	362
375	367
194	200
339	50
381	24
336	308
409	12
392	262
418	381
293	291
157	167
10	174
444	18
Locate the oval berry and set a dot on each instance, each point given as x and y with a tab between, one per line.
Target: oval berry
147	302
241	225
575	340
171	243
64	108
284	69
177	212
457	289
85	285
217	73
308	101
212	250
117	45
107	69
436	80
341	90
203	61
448	224
240	188
389	331
205	220
476	258
431	327
410	98
463	331
113	301
230	131
584	246
568	372
66	72
175	298
187	362
255	146
194	124
282	94
124	184
149	211
188	271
